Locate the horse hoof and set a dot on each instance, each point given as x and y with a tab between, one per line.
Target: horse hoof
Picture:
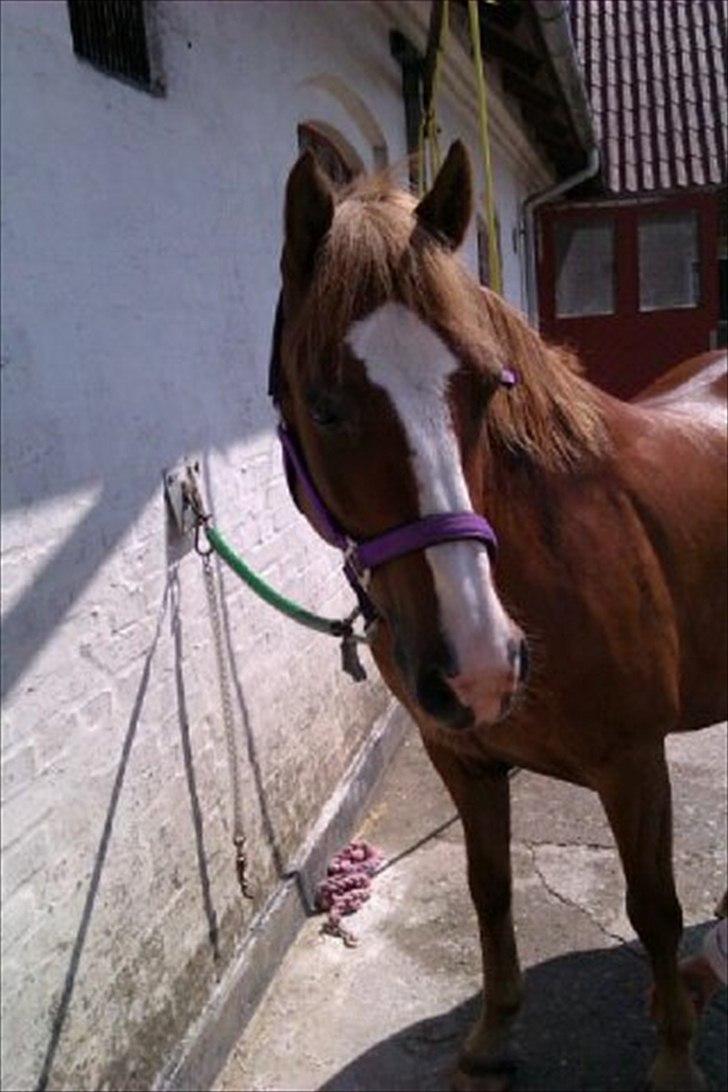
494	1074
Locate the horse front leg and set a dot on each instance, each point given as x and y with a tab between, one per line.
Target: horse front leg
635	793
482	797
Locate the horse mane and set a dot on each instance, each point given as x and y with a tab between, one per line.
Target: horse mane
375	252
553	416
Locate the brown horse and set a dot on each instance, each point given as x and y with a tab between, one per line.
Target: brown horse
611	522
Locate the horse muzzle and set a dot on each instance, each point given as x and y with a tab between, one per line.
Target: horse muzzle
463	700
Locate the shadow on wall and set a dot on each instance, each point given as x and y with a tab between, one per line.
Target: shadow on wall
584	1028
171	606
125	454
171	609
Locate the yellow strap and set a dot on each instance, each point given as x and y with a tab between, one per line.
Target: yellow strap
494	262
421	165
435	143
429	144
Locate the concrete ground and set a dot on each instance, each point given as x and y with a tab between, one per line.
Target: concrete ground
391	1013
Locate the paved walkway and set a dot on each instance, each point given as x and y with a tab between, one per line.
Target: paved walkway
391	1013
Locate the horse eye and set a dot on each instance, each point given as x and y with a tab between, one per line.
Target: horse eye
324	411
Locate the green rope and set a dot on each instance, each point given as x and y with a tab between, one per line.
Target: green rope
332	626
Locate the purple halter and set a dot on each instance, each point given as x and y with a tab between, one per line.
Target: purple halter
361	558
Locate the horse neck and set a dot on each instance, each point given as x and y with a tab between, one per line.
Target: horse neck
557	451
528	500
553	414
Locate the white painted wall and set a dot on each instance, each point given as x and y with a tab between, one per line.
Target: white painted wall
140	248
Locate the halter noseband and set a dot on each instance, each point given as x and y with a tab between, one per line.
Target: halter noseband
362	557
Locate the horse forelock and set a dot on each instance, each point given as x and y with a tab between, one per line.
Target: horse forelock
376	253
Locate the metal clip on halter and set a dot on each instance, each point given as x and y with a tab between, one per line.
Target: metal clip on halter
351	559
350	661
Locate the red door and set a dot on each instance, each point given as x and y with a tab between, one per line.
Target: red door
633	288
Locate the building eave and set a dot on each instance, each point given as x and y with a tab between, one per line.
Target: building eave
508	134
554	24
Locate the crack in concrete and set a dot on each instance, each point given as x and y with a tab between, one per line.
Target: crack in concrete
575	905
530	844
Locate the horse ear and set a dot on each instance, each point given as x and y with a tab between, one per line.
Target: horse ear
446	210
309	210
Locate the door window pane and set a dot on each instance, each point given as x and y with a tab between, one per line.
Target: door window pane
669	261
584	268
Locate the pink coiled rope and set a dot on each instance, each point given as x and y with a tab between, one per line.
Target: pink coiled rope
347	887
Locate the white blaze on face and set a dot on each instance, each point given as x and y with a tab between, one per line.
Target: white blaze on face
405	357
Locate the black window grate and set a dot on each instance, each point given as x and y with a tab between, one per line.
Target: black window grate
112	36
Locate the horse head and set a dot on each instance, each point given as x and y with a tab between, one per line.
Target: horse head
388	368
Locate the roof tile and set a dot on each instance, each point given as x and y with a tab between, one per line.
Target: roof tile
657	85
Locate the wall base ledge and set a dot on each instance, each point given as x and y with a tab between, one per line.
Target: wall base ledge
206	1048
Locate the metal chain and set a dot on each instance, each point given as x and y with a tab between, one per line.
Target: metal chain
241	858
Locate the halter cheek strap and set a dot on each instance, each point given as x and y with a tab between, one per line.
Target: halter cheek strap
297	472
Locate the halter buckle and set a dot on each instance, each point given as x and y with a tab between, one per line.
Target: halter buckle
363	576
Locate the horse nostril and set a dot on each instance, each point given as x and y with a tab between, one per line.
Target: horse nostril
524	662
437	699
433	693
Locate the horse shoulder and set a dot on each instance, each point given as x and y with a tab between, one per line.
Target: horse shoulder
673	467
